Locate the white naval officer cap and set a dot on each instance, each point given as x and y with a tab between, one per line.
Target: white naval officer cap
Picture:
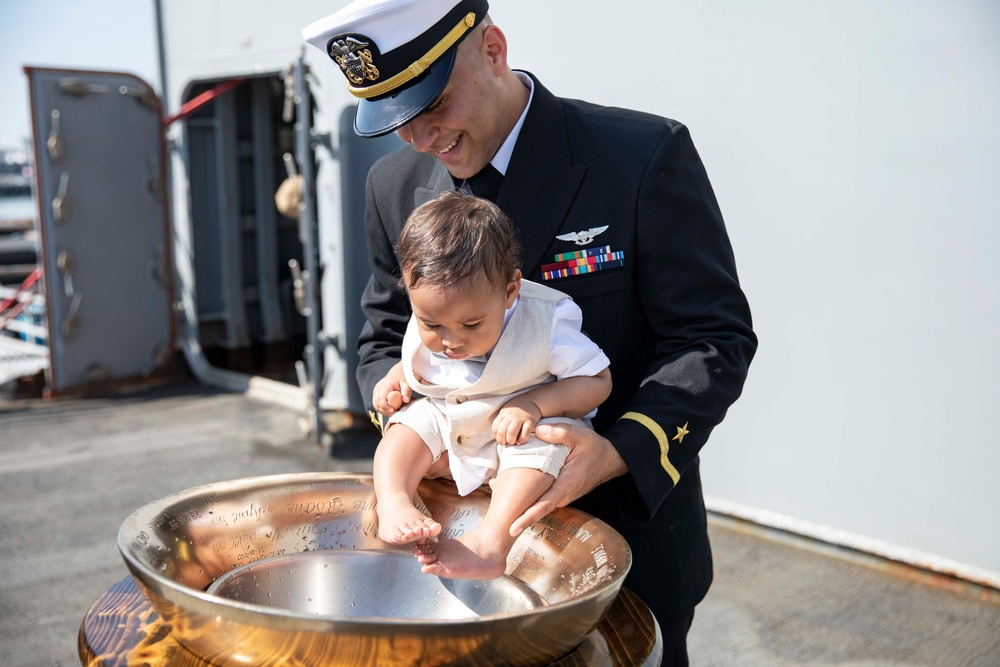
397	55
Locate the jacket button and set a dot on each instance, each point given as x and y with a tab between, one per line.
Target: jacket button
462	439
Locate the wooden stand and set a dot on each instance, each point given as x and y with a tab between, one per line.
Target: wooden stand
122	629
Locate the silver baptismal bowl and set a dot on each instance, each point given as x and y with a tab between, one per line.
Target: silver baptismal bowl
288	569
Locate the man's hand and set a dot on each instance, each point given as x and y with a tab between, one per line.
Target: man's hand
515	421
592	461
391	392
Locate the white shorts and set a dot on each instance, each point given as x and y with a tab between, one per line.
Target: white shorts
480	458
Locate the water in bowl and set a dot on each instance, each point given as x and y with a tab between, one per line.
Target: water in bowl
370	584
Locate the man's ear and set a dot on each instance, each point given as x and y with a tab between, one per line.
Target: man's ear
495	47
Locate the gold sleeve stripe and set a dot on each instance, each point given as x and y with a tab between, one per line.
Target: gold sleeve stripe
661	438
420	66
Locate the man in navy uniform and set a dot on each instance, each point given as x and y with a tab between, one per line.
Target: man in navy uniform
613	208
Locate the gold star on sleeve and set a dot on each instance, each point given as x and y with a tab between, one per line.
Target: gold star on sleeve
681	432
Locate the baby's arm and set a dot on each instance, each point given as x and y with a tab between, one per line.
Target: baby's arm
570	397
392	391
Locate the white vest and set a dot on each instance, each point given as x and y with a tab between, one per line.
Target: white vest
519	362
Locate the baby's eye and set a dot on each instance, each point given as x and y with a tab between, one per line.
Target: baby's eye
472	326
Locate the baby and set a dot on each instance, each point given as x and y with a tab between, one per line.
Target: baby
492	355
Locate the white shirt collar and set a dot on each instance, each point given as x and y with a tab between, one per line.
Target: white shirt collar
502	158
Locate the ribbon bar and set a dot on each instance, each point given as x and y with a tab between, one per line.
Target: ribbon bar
582	261
619	260
589	252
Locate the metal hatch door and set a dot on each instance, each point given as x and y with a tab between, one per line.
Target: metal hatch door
105	231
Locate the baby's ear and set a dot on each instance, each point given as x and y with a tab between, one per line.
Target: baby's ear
513	288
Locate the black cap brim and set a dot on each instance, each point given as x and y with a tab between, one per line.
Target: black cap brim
379	116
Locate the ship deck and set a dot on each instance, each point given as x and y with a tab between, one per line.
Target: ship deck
72	469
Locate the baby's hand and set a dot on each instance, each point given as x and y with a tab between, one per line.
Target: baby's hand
391	392
515	421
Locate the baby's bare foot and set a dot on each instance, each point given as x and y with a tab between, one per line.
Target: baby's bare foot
404	524
467	557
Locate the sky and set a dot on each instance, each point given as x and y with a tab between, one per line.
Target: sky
118	35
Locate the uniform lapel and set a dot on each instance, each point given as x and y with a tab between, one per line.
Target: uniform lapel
541	180
439	181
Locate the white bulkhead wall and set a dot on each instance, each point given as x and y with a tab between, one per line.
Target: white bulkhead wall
854	149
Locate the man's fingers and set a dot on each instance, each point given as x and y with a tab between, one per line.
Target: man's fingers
557	434
532	515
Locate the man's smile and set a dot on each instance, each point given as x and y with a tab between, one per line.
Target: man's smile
448	148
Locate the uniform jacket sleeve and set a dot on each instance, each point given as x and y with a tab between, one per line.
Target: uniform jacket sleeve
685	275
397	184
385	306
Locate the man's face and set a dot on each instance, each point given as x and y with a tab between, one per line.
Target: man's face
462	127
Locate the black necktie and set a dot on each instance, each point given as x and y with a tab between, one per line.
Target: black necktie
486	183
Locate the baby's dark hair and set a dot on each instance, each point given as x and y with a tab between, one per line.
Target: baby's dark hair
455	236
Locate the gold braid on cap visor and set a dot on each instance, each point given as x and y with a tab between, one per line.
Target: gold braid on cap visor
420	66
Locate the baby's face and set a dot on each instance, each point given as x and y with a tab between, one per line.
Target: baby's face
465	320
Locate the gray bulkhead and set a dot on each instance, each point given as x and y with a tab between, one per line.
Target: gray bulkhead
159	221
226	165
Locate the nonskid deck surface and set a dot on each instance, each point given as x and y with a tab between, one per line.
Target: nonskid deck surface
71	470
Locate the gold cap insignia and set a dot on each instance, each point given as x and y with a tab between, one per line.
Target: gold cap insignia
354	58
